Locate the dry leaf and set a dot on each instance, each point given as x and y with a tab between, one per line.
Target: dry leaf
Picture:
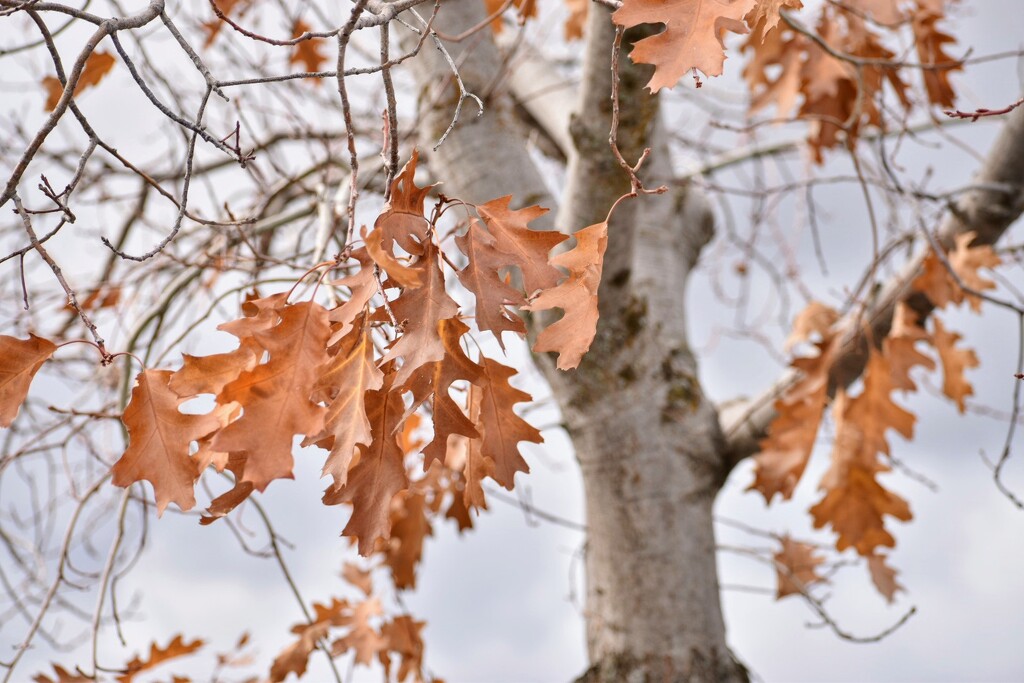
358	577
159	436
158	655
954	363
295	657
20	360
692	39
572	335
523	247
409	529
97	65
883	576
308	51
481	276
900	347
501	429
796	568
816	318
276	395
767	12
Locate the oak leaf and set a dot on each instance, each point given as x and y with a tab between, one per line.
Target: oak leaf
295	657
159	436
403	636
791	435
931	46
158	655
815	318
966	260
768	13
20	360
358	577
420	311
501	429
482	277
431	384
362	285
379	472
773	71
692	39
275	396
572	335
401	222
883	576
900	347
308	51
362	637
409	529
523	247
576	19
954	362
796	568
343	383
97	65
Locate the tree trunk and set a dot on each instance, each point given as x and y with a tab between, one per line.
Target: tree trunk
648	441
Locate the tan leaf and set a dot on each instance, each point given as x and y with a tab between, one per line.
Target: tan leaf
855	504
796	568
420	312
158	655
791	435
954	363
275	395
767	11
362	285
362	637
481	277
501	429
379	473
431	383
403	637
931	49
402	223
967	260
295	657
409	529
358	577
308	51
344	381
576	20
527	9
692	39
900	347
572	335
20	360
159	436
97	65
816	318
62	676
774	70
523	247
883	576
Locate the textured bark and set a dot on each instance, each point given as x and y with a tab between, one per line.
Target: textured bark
647	439
988	210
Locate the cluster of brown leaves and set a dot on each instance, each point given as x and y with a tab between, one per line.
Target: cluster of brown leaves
836	73
356	380
855	504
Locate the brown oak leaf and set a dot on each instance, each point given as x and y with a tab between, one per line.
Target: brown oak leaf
97	65
692	39
275	396
572	335
482	277
159	436
525	248
955	361
158	655
20	360
308	51
796	568
501	429
883	576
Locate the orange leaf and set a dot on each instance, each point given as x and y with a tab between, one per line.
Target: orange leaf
159	439
900	347
403	636
158	655
521	246
883	576
345	379
275	396
432	383
63	676
402	223
20	360
767	11
379	473
577	19
295	657
572	335
931	49
308	51
816	318
692	39
360	578
501	429
796	568
966	260
362	638
954	362
409	529
97	65
493	293
363	285
420	312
